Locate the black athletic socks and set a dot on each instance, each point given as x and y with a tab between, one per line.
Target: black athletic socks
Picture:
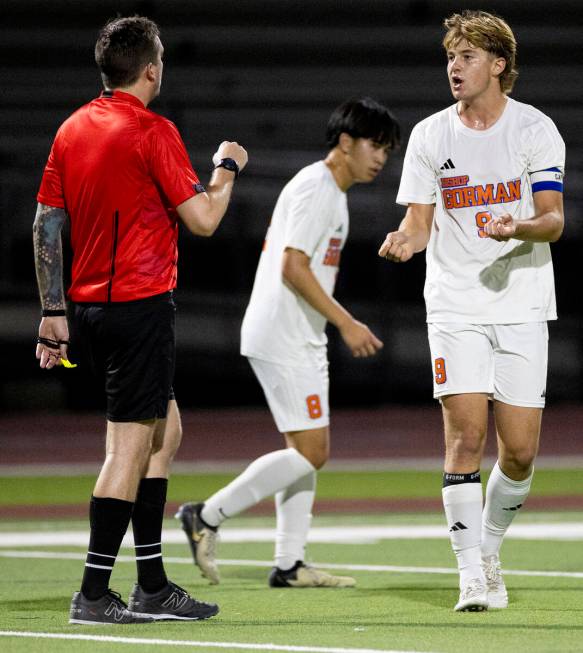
109	520
147	525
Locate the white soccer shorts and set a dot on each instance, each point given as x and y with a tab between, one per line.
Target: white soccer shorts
296	396
508	362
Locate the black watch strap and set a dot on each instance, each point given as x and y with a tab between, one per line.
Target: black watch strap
229	164
60	312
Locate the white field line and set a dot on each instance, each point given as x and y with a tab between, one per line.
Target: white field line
174	642
557	531
396	569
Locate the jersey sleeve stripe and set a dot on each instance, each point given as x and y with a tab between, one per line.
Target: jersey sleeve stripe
547	185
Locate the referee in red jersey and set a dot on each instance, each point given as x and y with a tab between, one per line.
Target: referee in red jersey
122	177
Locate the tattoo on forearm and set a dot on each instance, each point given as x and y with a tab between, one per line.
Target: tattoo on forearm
48	255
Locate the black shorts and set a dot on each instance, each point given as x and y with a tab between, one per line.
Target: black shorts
132	346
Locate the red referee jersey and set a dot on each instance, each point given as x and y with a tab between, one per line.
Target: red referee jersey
119	170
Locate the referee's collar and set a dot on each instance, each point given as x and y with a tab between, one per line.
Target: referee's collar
124	97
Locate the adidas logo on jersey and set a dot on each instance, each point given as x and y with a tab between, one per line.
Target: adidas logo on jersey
458	526
448	165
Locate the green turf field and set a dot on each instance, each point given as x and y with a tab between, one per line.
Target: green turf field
403	601
331	484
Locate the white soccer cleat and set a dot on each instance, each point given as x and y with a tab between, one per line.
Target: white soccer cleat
201	539
302	575
473	597
497	594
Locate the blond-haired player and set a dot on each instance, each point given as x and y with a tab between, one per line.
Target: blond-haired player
482	181
284	340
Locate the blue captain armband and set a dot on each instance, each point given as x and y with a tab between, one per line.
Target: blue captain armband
549	179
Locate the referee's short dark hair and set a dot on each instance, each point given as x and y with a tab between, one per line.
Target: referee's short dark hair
363	118
124	47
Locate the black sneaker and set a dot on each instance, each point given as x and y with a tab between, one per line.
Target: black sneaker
202	540
109	609
170	603
302	575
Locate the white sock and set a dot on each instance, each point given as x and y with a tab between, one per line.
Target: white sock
262	478
463	510
294	516
504	498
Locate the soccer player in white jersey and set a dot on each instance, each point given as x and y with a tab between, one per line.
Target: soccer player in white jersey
482	181
284	340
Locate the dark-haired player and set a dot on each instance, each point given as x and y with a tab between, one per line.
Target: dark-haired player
283	338
122	177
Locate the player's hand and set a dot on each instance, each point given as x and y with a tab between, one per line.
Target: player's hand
231	150
501	228
361	341
55	329
397	247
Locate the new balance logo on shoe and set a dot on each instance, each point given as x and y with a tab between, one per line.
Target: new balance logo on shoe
518	507
458	526
448	165
175	601
116	611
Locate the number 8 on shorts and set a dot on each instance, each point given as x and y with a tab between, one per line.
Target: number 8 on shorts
314	406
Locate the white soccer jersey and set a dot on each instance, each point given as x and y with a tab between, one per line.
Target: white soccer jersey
473	176
311	215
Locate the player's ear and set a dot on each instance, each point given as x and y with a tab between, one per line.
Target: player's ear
345	142
150	72
498	66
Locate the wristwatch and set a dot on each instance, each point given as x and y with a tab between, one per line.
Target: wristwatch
229	164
